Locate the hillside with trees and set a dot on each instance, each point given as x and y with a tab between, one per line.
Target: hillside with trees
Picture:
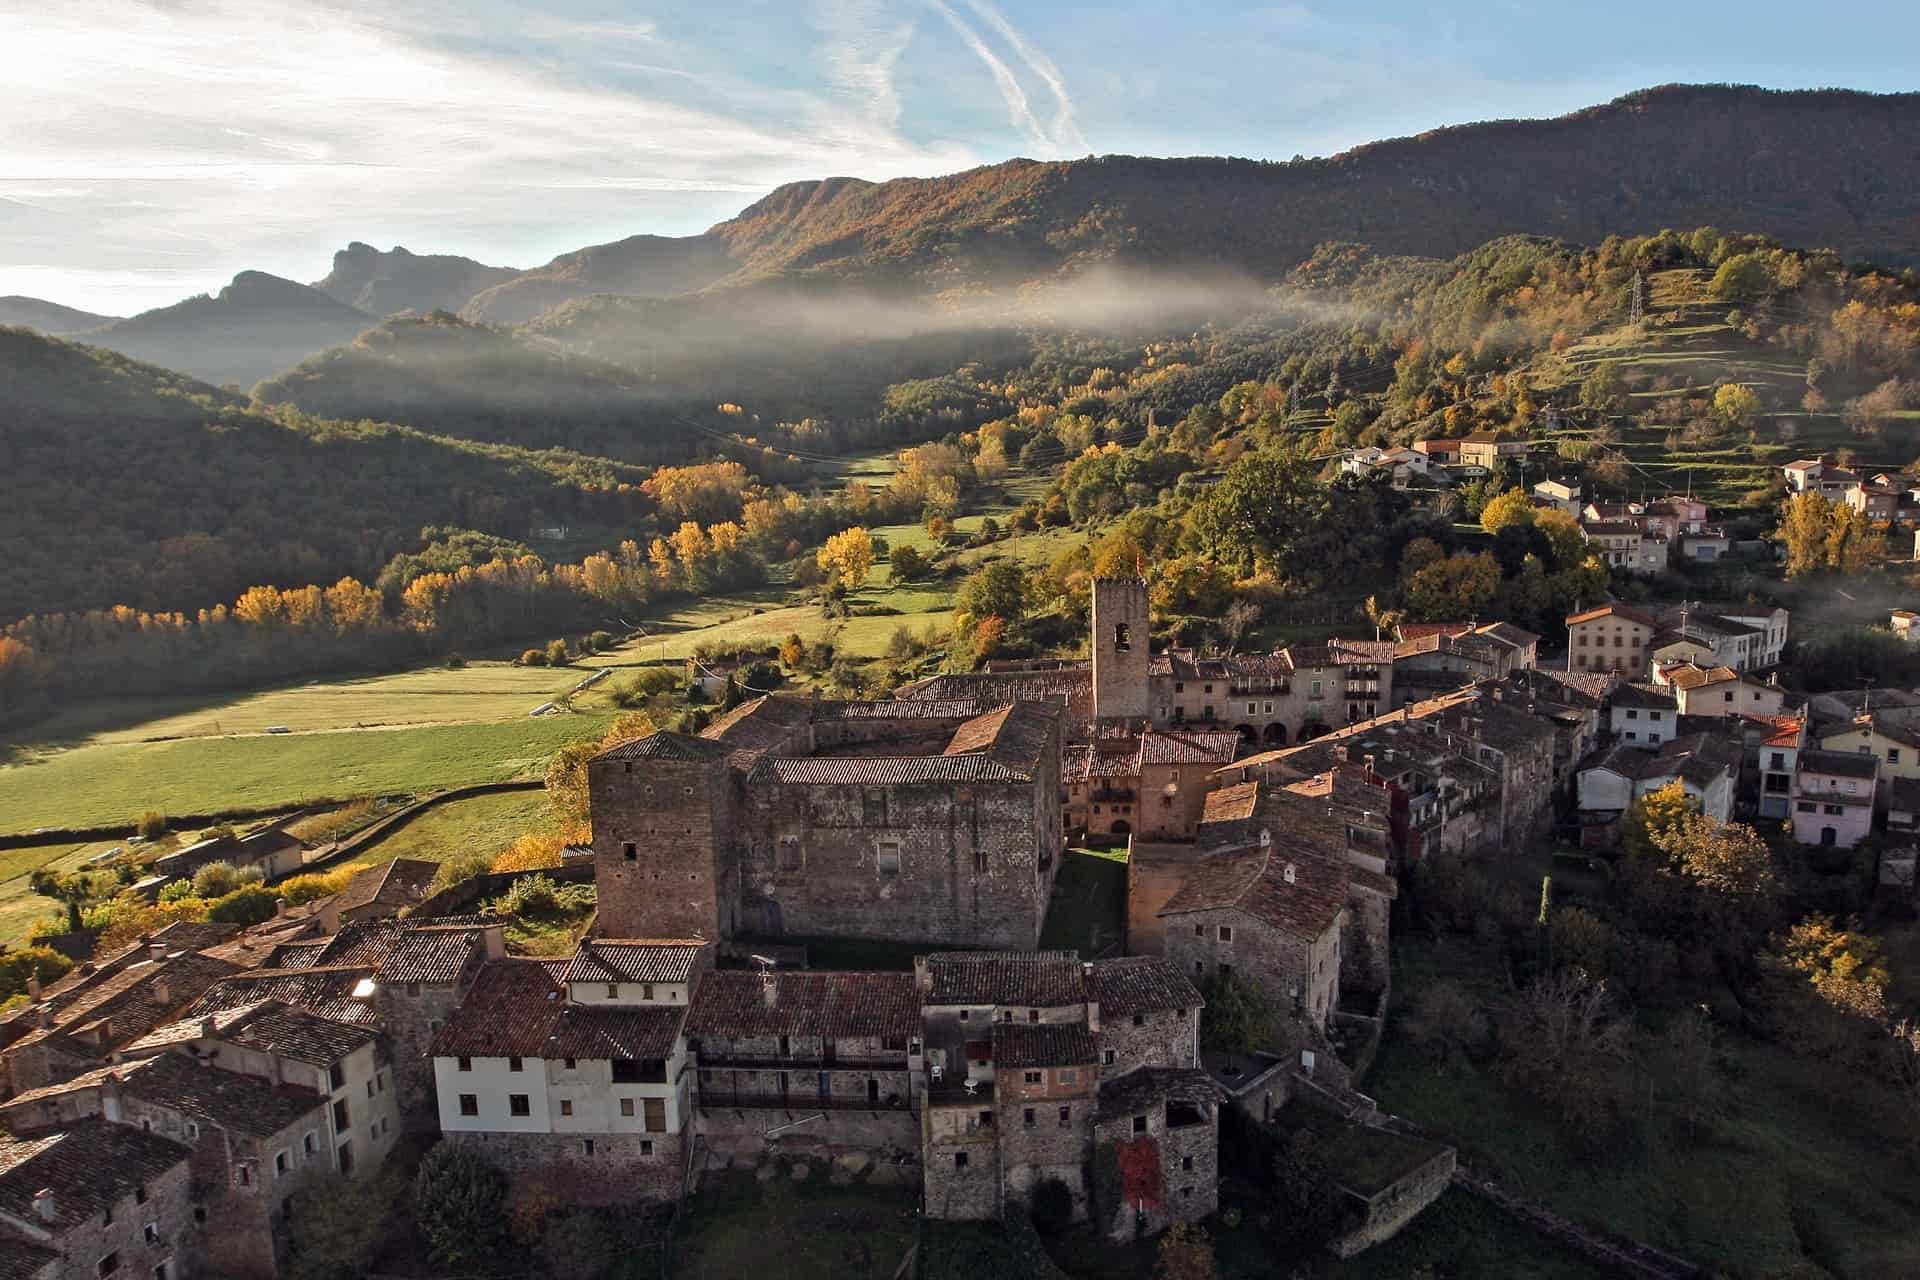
48	317
256	326
127	484
640	266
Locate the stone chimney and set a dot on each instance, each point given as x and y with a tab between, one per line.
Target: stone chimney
207	1027
156	951
493	938
33	984
44	1207
161	991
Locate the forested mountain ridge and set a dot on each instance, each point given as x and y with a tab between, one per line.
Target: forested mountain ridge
49	317
183	497
642	266
1829	168
440	373
256	326
383	284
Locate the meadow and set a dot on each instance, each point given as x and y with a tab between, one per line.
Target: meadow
477	824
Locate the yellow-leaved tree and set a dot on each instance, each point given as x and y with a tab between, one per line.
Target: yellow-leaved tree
846	558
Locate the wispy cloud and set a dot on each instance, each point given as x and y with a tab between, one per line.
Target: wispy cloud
1065	132
862	47
1018	111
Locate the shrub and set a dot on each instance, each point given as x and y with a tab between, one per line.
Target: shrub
533	658
557	653
1052	1207
529	853
177	890
456	663
457	1201
152	824
540	897
601	640
299	890
460	869
580	1244
216	880
335	1225
42	962
249	904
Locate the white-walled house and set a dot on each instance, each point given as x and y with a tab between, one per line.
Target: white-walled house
1706	769
1643	715
576	1072
1833	795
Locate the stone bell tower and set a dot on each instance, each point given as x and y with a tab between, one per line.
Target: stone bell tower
1120	649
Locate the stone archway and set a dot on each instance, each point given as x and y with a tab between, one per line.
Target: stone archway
1276	735
1121	827
1248	736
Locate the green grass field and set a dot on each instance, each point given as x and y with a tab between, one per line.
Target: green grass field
479	824
113	782
737	1227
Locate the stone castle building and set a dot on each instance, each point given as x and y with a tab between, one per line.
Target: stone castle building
802	817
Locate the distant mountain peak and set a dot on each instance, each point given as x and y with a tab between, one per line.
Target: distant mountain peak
386	282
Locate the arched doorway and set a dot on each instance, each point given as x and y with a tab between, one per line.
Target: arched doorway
1829	836
1121	828
1247	735
1276	735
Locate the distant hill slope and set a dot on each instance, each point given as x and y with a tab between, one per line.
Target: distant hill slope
639	266
254	327
1835	169
443	374
382	284
127	483
48	317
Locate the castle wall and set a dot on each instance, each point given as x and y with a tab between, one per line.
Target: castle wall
662	838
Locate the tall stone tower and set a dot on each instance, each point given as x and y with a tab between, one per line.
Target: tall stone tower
662	811
1120	648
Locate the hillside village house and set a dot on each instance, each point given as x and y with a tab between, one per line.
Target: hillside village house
1611	637
1707	769
1891	738
1560	495
1833	794
1718	691
1778	756
1485	449
1622	546
1643	715
95	1199
1821	476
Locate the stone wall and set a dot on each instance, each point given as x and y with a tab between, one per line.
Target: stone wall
1055	1143
1364	934
1189	1172
947	864
595	1169
1121	634
662	841
1398	1204
410	1022
741	1133
962	1166
168	1207
1159	1038
1273	962
1155	873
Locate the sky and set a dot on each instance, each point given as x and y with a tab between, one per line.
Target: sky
150	149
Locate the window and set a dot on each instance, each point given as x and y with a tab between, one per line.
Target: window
1654	716
646	991
630	851
517	1105
887	857
140	1195
346	1157
469	1104
193	1130
959	1159
515	1064
613	991
1108	1058
1186	1164
963	1015
566	1106
151	1233
307	1143
1139	1019
1139	1124
789	853
588	1146
1033	1077
1632	714
280	1159
655	1114
1066	1117
243	1173
1226	933
646	1148
572	1063
369	1088
1834	810
1199	931
626	1106
986	1119
1122	637
1027	1116
1033	1015
1070	1075
340	1122
1893	755
160	1272
109	1264
979	861
1779	760
1632	736
336	1077
1807	806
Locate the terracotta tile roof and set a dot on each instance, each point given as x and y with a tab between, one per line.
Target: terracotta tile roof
128	1002
294	955
240	1103
1612	611
24	1259
884	771
88	1166
1420	630
1029	979
832	1005
1688	676
1141	984
1198	746
613	1031
1507	633
1042	1044
437	956
270	1026
362	942
636	960
979	733
1257	882
1145	1087
1641	693
509	1012
326	990
397	884
1232	803
666	746
1781	731
1071	689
